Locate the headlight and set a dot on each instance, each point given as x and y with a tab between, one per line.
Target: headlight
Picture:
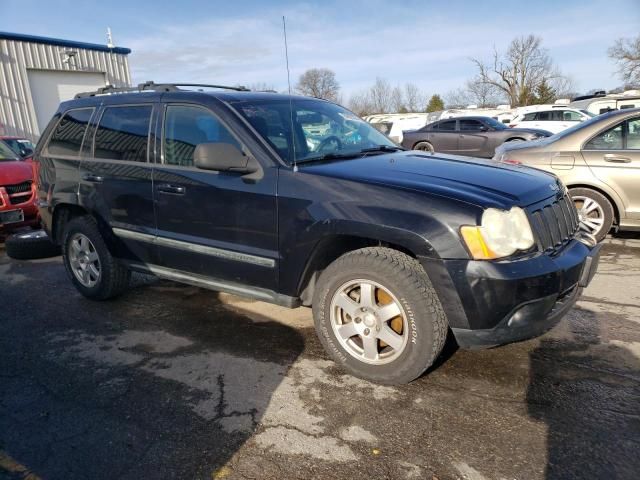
500	234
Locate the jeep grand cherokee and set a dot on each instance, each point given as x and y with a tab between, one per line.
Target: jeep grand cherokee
297	201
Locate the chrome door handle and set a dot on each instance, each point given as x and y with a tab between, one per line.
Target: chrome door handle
172	189
89	177
611	157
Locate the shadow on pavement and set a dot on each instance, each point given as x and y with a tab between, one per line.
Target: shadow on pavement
587	392
166	382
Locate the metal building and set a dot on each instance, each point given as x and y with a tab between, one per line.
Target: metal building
37	73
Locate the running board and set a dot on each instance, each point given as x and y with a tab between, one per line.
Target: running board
209	283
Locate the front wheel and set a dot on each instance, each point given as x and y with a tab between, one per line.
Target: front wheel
89	263
378	316
595	211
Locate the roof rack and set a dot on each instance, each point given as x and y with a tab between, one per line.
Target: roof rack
150	86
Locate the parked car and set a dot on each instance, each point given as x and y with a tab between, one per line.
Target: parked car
599	161
554	118
393	124
393	249
17	193
22	146
472	136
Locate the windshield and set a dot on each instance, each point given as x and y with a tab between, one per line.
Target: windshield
320	129
492	122
6	153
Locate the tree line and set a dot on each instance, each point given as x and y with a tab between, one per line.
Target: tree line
523	74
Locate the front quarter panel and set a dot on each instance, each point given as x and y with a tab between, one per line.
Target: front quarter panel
313	207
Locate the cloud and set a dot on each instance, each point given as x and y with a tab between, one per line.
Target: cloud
418	43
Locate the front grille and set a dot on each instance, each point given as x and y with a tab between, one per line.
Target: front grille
19	188
555	224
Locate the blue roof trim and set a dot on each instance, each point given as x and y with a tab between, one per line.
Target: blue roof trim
62	43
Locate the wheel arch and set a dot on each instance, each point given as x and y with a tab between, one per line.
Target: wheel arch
603	192
62	214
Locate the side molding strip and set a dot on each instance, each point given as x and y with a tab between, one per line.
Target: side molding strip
197	248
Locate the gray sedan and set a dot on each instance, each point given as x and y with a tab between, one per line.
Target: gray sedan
599	161
472	136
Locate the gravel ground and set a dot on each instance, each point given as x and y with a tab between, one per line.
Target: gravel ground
171	381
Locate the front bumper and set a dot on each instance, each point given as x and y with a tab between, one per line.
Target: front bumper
28	207
502	302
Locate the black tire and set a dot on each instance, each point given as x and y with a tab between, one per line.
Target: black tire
514	140
405	278
603	202
114	277
424	147
31	245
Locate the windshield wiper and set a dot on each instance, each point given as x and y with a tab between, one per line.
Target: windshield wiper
382	148
330	156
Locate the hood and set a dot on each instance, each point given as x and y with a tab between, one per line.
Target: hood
484	183
13	172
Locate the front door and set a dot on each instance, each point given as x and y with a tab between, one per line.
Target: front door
614	158
219	225
115	177
473	139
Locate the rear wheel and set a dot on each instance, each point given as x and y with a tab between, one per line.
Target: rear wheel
378	316
594	211
89	263
424	147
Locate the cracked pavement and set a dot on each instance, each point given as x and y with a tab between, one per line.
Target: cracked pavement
171	381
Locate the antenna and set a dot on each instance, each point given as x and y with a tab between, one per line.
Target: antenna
109	38
286	54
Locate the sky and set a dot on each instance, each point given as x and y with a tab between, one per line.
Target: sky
428	43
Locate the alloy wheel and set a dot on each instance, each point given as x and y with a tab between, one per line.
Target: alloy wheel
590	214
84	260
369	322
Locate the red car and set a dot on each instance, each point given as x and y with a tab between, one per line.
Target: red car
17	192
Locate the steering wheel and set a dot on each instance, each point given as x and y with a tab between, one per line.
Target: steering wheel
326	142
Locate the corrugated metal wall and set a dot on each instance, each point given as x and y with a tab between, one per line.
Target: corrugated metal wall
17	113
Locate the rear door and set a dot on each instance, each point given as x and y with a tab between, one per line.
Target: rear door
115	179
614	158
219	225
473	139
444	137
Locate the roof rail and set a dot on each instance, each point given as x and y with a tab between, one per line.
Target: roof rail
150	86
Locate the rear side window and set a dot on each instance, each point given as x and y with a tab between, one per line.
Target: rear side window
608	140
185	127
69	133
123	133
447	126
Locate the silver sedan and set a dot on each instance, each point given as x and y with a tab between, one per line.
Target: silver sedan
599	161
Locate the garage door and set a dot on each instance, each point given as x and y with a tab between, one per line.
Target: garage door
50	87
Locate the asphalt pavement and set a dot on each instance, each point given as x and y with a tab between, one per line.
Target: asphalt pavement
174	382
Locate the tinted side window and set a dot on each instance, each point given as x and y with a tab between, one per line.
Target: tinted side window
123	133
449	126
69	133
470	125
543	116
529	117
608	140
185	127
571	116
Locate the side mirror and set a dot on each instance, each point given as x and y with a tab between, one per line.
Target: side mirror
223	157
483	128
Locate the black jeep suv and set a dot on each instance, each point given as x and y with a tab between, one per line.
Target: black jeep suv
297	201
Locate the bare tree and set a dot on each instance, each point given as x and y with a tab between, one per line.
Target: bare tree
414	99
483	94
397	100
519	71
458	98
319	83
360	103
381	96
626	53
262	87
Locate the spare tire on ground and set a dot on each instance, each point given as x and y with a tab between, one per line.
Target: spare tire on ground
31	245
